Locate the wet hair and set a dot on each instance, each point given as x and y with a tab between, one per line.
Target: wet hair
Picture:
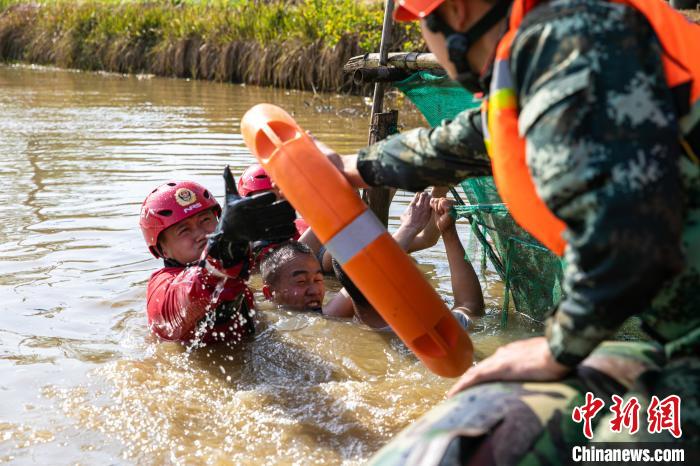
357	297
272	264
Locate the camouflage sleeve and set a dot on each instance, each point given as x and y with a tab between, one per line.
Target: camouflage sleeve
602	147
416	159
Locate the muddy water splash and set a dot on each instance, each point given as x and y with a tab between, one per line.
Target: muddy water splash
82	381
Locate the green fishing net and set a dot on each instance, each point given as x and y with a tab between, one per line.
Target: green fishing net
529	271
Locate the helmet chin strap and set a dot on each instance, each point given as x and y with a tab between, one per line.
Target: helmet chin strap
458	43
167	262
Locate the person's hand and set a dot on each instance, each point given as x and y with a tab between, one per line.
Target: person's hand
246	219
276	189
346	165
417	214
444	216
521	360
330	154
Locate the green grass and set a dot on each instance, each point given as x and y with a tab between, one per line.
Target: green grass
144	36
264	22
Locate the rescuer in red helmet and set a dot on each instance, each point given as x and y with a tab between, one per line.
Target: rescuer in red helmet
200	293
254	180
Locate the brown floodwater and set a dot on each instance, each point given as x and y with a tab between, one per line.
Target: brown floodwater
81	379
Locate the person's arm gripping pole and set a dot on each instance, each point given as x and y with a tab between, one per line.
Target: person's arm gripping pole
465	283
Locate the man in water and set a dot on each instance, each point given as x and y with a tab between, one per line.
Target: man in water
201	291
292	275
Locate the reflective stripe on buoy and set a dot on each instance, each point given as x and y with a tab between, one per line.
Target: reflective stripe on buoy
355	237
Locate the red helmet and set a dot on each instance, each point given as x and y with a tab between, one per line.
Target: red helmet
411	10
253	179
170	203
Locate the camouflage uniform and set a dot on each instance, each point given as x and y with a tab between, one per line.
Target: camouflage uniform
605	158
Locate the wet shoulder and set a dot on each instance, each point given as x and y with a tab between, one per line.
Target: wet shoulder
162	276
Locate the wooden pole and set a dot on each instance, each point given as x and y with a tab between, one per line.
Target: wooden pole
378	98
381	124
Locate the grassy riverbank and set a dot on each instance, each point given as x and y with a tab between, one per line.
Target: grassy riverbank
298	44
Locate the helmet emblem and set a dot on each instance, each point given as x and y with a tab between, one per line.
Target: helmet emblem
185	197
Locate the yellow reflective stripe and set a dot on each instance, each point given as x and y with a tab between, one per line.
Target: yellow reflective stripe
501	96
487	143
485	125
503	99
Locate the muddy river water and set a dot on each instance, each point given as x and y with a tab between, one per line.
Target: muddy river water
81	379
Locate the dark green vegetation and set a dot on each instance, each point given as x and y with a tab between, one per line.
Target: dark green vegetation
298	44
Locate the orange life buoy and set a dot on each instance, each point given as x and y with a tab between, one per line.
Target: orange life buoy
369	255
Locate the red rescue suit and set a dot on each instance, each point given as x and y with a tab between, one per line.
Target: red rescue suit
184	303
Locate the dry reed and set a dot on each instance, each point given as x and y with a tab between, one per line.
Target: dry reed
211	41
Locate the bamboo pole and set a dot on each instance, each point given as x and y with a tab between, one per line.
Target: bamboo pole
381	124
378	98
408	61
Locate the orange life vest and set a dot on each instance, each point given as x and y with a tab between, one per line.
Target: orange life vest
680	40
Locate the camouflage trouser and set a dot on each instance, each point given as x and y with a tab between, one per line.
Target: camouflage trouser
530	422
